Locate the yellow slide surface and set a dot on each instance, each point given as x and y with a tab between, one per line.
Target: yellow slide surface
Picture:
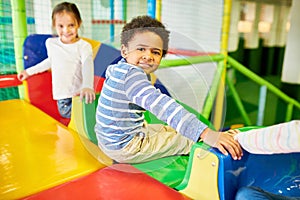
37	152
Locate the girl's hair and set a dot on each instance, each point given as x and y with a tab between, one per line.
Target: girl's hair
66	7
143	24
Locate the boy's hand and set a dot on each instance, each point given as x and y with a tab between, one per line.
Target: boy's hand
88	94
224	141
233	131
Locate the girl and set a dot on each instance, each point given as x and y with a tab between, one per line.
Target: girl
70	59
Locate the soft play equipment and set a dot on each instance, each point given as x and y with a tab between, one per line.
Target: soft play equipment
118	182
38	152
42	158
39	88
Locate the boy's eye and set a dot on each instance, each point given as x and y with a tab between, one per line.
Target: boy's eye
141	49
157	53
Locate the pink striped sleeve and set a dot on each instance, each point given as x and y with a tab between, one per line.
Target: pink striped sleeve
279	138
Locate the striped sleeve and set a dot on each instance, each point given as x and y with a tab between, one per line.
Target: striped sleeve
279	138
140	91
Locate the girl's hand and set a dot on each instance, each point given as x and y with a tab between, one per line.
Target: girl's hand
88	94
224	141
23	75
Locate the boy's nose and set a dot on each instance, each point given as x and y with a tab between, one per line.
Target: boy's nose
147	56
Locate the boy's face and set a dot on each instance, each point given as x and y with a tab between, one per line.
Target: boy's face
144	50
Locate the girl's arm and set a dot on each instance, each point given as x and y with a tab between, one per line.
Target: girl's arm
38	68
279	138
87	90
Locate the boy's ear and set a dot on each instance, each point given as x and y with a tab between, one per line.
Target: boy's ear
123	50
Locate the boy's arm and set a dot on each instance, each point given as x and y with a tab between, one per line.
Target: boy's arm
142	93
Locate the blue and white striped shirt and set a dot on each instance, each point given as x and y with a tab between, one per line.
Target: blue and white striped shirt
125	96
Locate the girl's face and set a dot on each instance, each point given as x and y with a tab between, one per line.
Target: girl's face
66	27
144	50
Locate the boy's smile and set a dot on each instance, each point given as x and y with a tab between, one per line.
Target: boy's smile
144	50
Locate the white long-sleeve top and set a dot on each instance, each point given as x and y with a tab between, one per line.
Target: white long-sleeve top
71	65
279	138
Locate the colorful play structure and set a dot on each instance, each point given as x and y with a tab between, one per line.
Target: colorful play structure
45	156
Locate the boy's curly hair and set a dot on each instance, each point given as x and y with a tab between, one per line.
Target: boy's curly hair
145	23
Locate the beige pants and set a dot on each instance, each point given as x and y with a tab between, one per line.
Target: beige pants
159	141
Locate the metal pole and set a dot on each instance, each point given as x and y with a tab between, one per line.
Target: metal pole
112	17
158	9
261	105
124	6
151	8
218	113
19	33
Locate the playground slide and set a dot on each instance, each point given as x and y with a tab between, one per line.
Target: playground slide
37	152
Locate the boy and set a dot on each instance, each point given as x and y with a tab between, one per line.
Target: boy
121	130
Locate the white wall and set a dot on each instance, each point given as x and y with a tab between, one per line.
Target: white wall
196	24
